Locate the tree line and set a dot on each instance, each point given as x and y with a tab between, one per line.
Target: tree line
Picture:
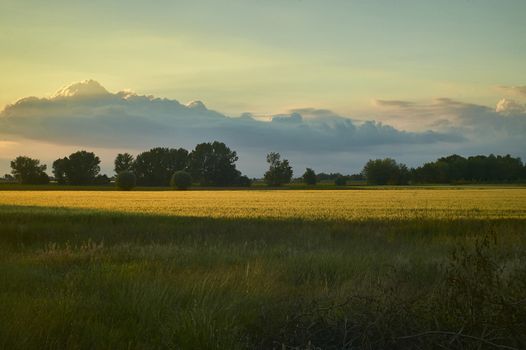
214	164
209	164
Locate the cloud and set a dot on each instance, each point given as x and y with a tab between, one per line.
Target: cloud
393	103
86	115
517	90
508	106
487	130
86	88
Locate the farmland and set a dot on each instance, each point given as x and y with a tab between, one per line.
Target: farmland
404	204
360	269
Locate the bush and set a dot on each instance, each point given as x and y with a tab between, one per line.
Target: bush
181	180
309	177
125	180
340	181
244	181
101	180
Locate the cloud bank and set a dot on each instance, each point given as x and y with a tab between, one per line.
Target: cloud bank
85	114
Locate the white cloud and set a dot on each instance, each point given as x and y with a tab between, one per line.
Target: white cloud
85	115
508	106
516	90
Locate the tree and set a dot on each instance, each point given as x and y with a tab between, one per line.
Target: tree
279	172
244	181
455	169
123	162
80	168
156	166
340	181
181	180
309	177
327	177
385	172
213	164
101	180
29	171
59	169
125	180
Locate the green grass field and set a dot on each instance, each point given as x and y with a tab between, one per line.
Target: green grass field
305	269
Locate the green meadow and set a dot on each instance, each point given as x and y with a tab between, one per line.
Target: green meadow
358	269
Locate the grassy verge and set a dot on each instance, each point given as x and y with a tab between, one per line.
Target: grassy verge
84	279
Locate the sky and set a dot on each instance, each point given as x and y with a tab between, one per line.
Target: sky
411	79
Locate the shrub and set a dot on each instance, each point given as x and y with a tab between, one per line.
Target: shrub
126	180
340	181
244	181
309	177
101	180
181	180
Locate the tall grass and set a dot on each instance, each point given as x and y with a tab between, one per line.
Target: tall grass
82	278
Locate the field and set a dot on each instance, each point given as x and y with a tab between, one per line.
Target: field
285	269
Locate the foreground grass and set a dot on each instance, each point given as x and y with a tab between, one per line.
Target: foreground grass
82	278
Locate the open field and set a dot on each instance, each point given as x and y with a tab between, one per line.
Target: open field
358	269
403	204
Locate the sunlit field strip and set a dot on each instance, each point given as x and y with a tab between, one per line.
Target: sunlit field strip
309	204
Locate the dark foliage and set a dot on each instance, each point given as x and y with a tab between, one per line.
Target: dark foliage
340	181
101	180
125	180
123	162
59	170
80	168
156	166
244	181
385	172
356	177
213	164
29	171
309	177
457	169
280	171
327	177
181	180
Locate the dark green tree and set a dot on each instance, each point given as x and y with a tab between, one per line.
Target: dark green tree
29	171
156	166
59	169
181	180
279	172
457	169
385	172
123	162
309	177
213	164
340	181
244	181
81	168
125	180
101	180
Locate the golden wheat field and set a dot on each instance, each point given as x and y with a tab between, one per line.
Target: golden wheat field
308	269
303	204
